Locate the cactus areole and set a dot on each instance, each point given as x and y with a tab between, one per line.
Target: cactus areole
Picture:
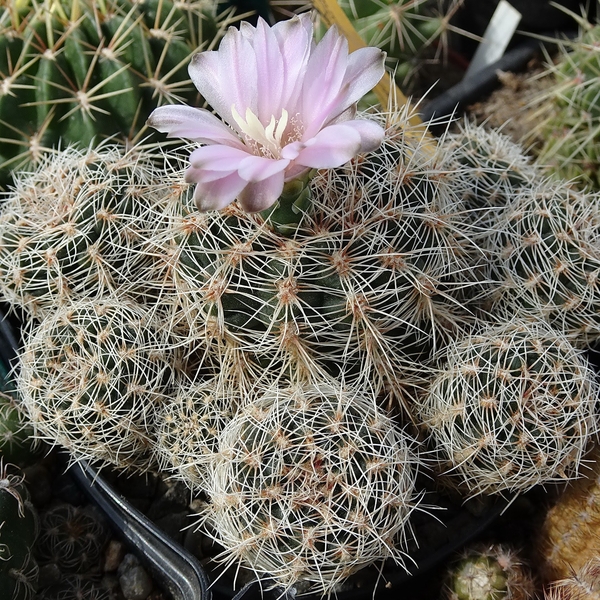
287	106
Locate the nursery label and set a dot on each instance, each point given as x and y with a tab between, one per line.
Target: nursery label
497	35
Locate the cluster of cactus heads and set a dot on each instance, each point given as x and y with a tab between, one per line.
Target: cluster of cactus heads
569	117
513	406
75	72
19	528
489	572
282	336
311	483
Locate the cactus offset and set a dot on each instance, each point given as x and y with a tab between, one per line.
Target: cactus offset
514	406
91	377
311	483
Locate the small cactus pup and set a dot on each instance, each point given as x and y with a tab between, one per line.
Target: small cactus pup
568	537
514	406
73	538
545	252
74	226
570	118
91	377
77	72
491	572
189	424
19	527
581	584
311	483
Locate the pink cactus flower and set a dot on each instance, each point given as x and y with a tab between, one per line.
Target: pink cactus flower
288	106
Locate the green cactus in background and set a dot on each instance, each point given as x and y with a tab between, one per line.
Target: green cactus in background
19	527
91	377
569	110
16	433
489	573
514	406
311	483
79	71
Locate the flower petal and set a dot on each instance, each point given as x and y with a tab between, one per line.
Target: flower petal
331	147
195	124
217	194
262	194
258	168
228	76
295	38
218	158
324	75
365	70
371	133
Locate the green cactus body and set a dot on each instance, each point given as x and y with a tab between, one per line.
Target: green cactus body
91	377
16	434
19	526
545	248
571	128
72	228
359	284
489	573
311	483
513	407
77	72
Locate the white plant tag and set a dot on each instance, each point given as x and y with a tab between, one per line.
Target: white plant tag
497	35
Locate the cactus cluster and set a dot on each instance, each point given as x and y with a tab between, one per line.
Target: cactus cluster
569	118
252	355
77	72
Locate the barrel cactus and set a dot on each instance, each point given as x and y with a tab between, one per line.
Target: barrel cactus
513	406
311	483
19	527
91	377
75	72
